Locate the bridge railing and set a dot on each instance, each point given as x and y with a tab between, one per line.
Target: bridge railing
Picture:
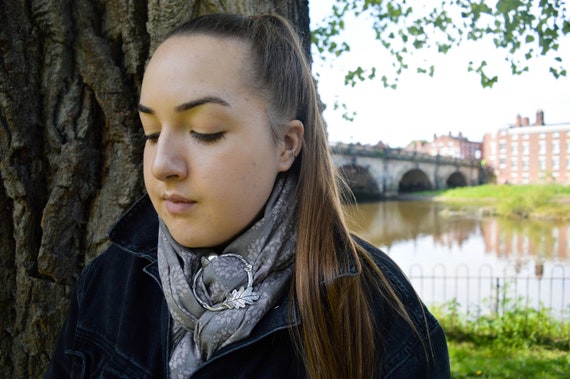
399	154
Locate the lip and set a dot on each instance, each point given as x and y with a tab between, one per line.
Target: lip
177	204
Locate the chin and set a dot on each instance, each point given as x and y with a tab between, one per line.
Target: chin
193	243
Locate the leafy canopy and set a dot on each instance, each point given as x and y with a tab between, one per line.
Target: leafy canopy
524	29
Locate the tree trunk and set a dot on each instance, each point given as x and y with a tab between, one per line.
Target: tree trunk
71	146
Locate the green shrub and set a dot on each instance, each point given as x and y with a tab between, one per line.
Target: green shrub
514	326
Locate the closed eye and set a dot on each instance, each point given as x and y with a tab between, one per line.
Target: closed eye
207	138
152	138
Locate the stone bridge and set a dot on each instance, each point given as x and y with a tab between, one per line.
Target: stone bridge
378	173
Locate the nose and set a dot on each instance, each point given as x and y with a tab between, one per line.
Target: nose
169	161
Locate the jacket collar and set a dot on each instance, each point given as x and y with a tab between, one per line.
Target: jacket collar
137	230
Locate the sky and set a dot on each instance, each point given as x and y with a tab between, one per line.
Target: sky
453	100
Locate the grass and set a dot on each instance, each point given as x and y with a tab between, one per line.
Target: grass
519	343
470	360
546	201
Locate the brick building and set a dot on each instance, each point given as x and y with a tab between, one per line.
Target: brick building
524	153
448	146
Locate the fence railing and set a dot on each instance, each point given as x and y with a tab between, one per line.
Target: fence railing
479	291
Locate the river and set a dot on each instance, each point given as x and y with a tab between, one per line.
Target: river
477	260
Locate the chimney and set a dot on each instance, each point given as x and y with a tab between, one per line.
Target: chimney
526	121
518	120
539	117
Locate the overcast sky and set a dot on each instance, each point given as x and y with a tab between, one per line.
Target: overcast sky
451	101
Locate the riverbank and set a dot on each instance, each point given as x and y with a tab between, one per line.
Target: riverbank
539	201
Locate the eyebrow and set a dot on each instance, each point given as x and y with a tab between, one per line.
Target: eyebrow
189	105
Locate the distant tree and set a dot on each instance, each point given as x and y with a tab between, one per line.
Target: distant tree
524	29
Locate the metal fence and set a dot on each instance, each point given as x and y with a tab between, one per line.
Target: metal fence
479	291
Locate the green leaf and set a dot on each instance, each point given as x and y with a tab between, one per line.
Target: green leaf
443	48
506	6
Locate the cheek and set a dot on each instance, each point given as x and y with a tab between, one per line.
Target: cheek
258	182
147	161
246	182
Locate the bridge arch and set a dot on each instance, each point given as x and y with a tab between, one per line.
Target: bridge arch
456	179
361	181
414	180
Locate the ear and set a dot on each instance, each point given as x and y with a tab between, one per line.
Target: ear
291	144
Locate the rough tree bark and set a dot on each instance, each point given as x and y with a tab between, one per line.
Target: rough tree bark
71	146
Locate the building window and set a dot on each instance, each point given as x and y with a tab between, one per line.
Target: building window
568	167
502	147
525	136
524	163
555	135
526	149
502	163
556	146
542	147
568	145
542	163
515	137
542	135
555	164
514	148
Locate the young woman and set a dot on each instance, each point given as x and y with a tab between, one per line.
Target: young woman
238	262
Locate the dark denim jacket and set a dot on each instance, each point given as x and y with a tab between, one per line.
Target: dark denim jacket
118	323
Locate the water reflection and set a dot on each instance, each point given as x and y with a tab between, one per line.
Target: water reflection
508	237
386	224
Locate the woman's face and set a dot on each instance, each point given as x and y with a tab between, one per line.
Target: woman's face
210	160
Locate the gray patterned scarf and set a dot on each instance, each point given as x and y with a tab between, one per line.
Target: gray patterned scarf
191	282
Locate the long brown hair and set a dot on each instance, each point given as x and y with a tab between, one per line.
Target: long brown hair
336	336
